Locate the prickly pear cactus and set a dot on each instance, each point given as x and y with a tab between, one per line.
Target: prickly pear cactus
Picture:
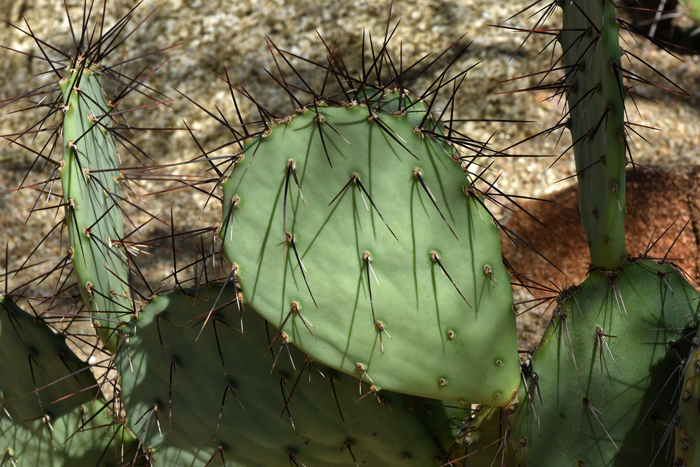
231	398
354	229
89	177
601	380
49	415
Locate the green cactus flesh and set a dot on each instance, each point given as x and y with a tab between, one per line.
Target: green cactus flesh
46	428
90	188
595	95
221	397
687	422
694	10
365	274
630	322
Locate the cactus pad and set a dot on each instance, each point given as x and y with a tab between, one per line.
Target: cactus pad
229	398
48	416
631	321
355	230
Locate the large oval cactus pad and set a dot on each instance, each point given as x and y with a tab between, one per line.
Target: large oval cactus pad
382	262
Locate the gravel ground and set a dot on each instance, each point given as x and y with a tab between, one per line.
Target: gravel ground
212	33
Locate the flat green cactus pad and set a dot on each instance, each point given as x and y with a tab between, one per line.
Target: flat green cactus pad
221	397
355	230
48	428
630	321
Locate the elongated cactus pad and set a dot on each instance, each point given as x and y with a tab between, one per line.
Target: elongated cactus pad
602	380
48	412
356	231
228	397
89	177
595	95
